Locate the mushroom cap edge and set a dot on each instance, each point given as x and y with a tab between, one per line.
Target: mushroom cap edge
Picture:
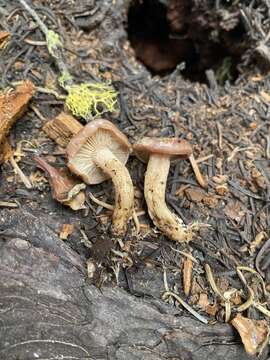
175	148
76	144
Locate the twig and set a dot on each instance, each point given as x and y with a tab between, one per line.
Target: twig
100	202
186	306
189	256
54	44
8	204
111	207
219	128
197	171
225	297
136	222
262	309
254	272
35	16
238	149
212	282
187	275
20	173
38	113
168	293
50	92
251	301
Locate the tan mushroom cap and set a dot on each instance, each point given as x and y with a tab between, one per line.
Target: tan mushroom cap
172	147
96	135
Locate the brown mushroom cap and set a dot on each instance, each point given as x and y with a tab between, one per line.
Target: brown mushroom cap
96	135
173	147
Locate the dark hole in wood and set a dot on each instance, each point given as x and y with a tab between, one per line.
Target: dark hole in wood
165	33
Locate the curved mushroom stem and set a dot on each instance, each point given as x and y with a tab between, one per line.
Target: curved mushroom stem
124	192
154	192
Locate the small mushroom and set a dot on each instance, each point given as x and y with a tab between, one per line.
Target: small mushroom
159	152
65	188
97	152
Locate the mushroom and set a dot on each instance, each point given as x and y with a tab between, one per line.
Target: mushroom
159	152
65	188
97	152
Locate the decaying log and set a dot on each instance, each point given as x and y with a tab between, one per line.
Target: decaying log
49	311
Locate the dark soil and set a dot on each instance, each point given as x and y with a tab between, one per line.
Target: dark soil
219	102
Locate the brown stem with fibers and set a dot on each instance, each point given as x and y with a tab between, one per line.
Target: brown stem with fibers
154	191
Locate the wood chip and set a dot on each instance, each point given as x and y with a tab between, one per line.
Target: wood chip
13	104
62	128
195	194
234	210
67	229
187	275
254	333
4	38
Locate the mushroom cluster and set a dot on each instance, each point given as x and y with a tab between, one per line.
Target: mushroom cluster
99	151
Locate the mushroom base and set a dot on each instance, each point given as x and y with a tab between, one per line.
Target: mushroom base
154	191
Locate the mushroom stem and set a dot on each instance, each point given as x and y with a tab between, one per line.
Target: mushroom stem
154	192
124	192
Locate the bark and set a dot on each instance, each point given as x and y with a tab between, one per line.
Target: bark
48	309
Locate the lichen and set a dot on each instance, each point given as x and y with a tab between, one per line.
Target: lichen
89	100
53	43
64	78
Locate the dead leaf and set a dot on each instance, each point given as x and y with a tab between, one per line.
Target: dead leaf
254	333
203	301
234	210
194	194
236	298
220	179
67	229
210	201
222	189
